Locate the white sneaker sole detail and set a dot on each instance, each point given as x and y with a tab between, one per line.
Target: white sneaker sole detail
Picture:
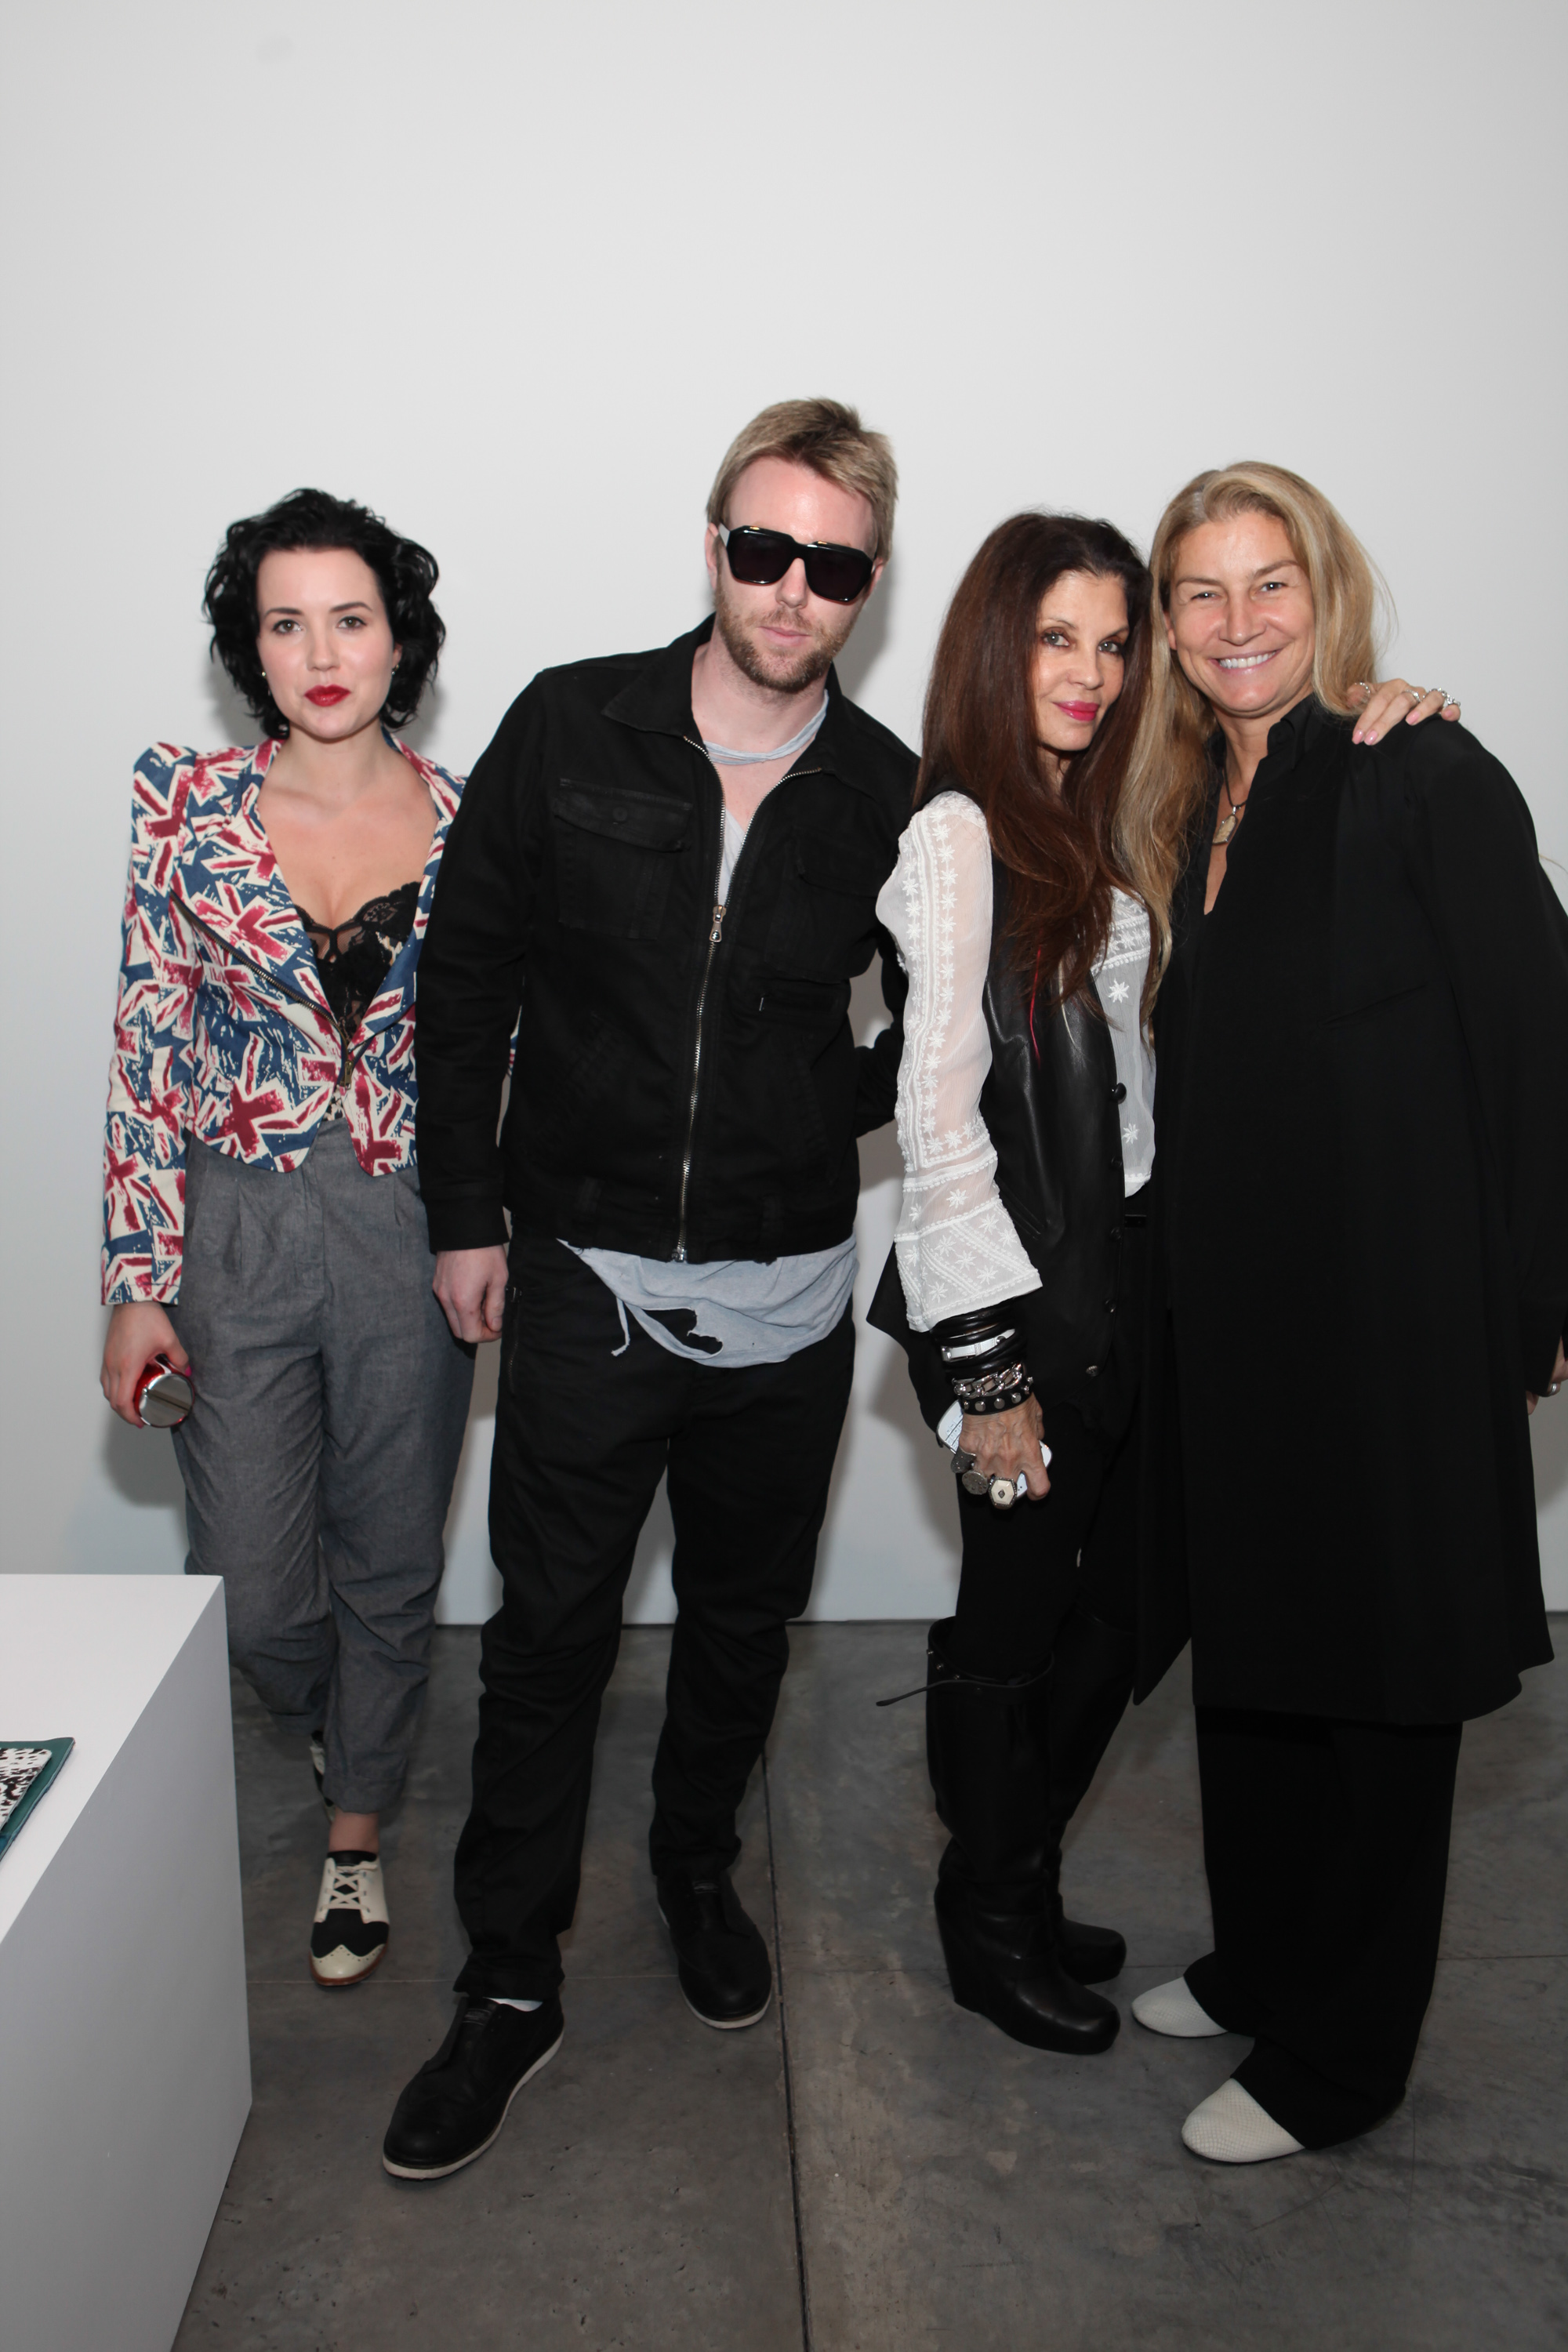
719	2024
1170	2008
727	2024
442	2171
1230	2127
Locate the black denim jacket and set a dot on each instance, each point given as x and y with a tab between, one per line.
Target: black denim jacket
683	1084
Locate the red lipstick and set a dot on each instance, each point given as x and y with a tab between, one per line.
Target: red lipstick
323	697
1083	712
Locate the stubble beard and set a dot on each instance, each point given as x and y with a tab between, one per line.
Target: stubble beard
781	674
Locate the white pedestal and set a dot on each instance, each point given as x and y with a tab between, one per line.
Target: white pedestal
124	2060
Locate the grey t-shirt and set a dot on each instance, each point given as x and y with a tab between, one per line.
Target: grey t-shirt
734	1310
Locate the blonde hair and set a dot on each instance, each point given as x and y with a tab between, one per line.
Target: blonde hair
829	437
1167	786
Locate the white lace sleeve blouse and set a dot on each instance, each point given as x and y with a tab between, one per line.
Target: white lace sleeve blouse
958	1248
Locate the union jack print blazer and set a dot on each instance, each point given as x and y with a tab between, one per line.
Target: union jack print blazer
223	1030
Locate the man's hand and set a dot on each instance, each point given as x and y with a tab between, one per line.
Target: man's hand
1395	703
471	1287
1008	1446
136	1334
1559	1374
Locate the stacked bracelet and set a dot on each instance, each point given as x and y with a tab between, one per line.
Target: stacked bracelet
980	1355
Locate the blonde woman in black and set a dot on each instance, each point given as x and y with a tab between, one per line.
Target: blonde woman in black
1362	1231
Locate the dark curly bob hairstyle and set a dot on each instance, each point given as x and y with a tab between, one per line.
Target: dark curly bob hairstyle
405	571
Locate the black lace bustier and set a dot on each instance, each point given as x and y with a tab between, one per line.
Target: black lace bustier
353	958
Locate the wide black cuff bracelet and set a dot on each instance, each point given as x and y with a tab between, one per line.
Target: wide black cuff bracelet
977	1342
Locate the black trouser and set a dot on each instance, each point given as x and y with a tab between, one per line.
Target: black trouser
1024	1568
586	1425
1327	1849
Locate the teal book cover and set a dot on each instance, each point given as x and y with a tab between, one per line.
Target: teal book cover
27	1768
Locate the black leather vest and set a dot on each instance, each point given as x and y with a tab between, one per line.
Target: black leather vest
1051	1108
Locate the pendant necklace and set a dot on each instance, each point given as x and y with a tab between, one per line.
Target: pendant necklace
1228	824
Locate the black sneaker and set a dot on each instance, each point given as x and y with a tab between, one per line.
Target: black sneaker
458	2102
722	1960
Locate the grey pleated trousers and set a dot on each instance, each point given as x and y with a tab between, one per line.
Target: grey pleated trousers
319	1460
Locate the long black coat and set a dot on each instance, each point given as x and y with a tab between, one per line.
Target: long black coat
1361	1229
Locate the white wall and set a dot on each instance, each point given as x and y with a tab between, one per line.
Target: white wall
514	275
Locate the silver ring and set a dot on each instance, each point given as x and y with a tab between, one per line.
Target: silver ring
1416	693
1450	702
1003	1493
975	1482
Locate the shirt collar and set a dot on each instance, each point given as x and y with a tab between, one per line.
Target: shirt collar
1291	734
1289	739
443	789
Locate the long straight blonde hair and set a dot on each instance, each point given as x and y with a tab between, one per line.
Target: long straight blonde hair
1168	781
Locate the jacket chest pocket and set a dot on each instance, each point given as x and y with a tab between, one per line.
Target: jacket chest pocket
824	913
615	857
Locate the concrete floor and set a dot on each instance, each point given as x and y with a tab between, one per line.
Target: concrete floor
872	2168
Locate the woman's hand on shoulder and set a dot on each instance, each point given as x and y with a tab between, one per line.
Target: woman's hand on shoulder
136	1334
1009	1445
1395	703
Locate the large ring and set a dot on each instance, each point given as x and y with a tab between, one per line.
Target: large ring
1003	1493
974	1482
1450	702
1416	693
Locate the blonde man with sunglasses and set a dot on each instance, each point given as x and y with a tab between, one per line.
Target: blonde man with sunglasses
663	878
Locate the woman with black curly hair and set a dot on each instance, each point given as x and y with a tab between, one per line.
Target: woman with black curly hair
263	1228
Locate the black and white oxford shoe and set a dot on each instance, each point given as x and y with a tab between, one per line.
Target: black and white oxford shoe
352	1926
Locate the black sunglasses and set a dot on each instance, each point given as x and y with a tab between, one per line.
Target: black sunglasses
758	558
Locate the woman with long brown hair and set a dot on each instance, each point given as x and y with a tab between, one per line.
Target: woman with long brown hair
1016	1279
1021	907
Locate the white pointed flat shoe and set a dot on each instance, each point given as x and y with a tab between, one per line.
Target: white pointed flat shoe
1230	2127
1170	2008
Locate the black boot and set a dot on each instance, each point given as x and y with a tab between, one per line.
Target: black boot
988	1771
1090	1683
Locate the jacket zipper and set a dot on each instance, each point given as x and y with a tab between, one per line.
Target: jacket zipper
345	1060
715	935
